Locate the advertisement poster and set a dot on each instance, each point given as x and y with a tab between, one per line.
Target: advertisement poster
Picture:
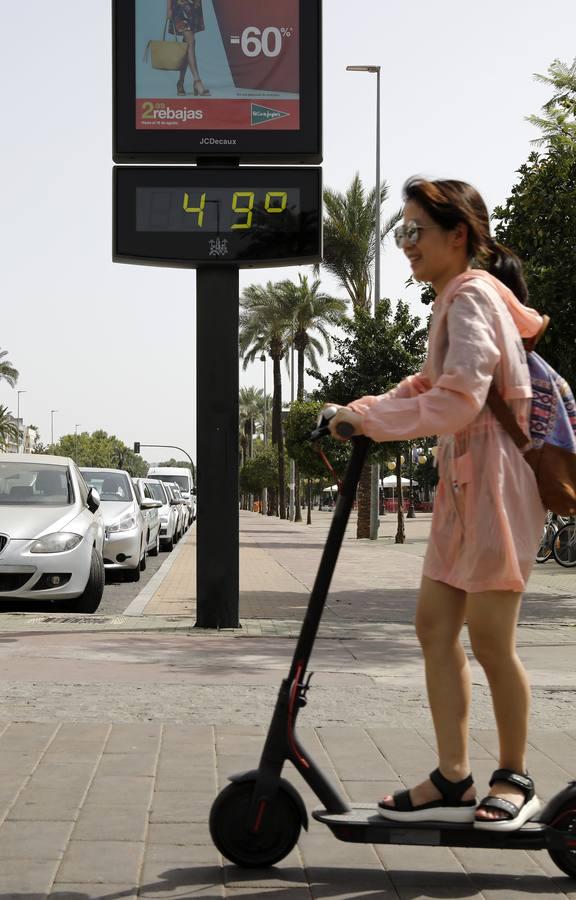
217	65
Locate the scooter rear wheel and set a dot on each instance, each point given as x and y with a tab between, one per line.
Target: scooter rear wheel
566	859
228	827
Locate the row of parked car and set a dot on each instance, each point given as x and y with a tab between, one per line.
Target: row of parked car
62	527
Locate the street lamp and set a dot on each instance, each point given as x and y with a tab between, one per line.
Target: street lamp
52	411
375	475
292	463
18	415
265	490
76	427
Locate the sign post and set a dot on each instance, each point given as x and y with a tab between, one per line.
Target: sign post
221	84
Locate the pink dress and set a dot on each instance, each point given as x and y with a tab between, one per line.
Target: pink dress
488	517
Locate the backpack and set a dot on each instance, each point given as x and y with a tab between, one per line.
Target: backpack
552	428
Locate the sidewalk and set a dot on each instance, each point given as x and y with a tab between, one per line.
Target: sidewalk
116	737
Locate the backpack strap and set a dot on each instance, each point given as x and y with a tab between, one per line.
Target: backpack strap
506	417
530	343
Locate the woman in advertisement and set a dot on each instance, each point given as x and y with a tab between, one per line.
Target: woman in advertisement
186	18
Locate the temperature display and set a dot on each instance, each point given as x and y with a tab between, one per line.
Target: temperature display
204	209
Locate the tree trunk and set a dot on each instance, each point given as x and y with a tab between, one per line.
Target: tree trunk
277	435
297	507
400	533
309	516
363	496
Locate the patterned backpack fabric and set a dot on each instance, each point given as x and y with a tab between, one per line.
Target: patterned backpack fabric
553	412
552	454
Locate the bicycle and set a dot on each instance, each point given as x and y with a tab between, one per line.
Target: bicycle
564	544
552	526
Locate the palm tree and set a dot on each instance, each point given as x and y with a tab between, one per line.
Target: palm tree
7	370
251	400
349	238
264	327
8	427
310	311
349	253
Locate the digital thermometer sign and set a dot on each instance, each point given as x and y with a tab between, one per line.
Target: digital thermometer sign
196	216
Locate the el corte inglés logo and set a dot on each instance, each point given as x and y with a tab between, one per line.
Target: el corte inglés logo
263	114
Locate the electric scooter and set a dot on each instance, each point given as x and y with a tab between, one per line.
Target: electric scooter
256	820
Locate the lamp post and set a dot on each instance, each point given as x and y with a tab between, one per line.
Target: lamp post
18	416
76	443
411	512
374	519
265	490
292	463
52	411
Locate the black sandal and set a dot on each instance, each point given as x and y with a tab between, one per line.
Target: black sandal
516	816
451	808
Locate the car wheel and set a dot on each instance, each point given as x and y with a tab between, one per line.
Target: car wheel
156	548
89	600
169	544
143	559
132	574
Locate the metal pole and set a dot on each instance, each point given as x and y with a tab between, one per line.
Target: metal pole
52	411
76	443
18	418
292	463
265	491
375	473
217	557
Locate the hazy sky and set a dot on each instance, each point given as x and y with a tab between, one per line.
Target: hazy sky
113	346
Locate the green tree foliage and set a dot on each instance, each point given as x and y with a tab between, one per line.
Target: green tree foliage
538	221
350	238
7	371
8	428
101	450
260	471
300	421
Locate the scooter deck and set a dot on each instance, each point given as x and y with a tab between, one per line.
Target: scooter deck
364	825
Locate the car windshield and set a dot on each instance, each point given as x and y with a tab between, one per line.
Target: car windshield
157	491
34	484
111	486
182	481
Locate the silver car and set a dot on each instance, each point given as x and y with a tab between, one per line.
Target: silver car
125	539
168	514
152	515
51	532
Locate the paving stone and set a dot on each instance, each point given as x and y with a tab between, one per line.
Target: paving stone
29	879
128	764
346	748
134	738
83	891
43	805
27	736
184	807
109	823
101	862
187	834
285	874
121	790
171	881
33	840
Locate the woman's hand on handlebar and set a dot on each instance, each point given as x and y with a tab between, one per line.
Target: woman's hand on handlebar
346	415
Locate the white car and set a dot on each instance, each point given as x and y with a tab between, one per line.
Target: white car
126	529
152	515
168	513
51	532
183	478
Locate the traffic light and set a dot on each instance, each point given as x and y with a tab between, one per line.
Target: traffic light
136	446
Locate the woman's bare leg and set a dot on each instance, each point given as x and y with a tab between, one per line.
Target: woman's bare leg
191	42
492	619
439	618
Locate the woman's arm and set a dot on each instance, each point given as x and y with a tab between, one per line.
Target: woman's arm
458	395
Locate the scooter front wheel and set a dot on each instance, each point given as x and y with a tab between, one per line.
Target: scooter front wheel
565	822
229	826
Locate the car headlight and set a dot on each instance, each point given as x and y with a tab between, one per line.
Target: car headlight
58	542
127	523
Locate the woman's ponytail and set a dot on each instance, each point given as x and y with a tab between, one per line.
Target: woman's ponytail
507	268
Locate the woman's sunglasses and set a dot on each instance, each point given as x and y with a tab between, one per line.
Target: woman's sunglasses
409	232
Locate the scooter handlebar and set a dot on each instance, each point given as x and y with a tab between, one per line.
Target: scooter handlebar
344	429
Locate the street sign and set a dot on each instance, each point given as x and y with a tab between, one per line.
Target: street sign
239	79
191	216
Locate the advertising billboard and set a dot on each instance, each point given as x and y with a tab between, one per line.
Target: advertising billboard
205	78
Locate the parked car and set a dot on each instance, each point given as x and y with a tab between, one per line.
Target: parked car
183	508
51	532
183	478
168	514
176	506
152	515
126	529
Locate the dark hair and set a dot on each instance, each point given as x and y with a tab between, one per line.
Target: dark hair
448	203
